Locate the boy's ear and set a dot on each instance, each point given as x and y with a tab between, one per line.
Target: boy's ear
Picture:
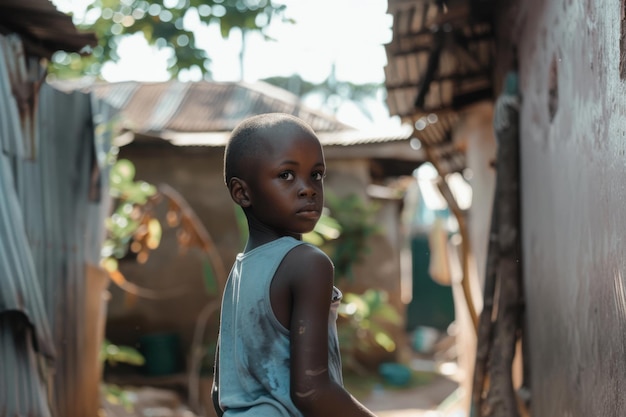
239	192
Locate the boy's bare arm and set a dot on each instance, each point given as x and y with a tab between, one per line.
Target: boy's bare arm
312	390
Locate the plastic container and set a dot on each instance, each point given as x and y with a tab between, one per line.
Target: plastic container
395	374
162	353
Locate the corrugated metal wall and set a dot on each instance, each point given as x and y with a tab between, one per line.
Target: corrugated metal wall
22	311
53	189
573	152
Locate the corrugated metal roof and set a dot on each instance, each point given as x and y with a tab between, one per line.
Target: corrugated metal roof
43	28
338	138
439	60
202	106
204	113
439	57
360	137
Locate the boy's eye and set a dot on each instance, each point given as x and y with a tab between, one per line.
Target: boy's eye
318	176
286	176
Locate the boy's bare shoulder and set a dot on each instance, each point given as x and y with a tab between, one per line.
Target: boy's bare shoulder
309	253
308	259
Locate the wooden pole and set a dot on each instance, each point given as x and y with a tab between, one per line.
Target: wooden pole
463	231
497	349
485	324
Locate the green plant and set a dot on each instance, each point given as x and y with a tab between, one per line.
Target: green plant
364	327
326	230
160	23
365	319
115	394
343	232
135	227
128	227
113	354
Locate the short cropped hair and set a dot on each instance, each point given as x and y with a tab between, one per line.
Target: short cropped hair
248	138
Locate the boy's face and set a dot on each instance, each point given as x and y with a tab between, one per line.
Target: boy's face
285	182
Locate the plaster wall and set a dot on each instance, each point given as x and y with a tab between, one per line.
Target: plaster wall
177	275
573	166
476	133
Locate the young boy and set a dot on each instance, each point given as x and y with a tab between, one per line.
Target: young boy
277	352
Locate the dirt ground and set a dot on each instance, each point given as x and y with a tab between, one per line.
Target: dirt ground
439	396
432	392
425	400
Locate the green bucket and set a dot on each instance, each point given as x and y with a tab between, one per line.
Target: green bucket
162	353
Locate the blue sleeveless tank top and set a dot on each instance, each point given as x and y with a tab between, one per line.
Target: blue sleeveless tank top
254	345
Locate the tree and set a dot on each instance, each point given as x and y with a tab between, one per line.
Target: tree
333	92
164	24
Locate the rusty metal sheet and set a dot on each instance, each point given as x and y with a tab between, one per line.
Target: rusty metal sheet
439	58
42	23
19	286
202	106
53	201
24	326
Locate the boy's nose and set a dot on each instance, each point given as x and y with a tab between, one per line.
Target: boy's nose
307	191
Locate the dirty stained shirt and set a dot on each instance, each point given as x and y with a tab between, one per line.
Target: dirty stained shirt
254	345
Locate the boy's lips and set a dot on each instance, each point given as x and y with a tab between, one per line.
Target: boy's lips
311	211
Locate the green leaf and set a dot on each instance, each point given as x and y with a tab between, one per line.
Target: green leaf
385	341
373	298
313	238
112	20
328	227
387	313
120	354
123	172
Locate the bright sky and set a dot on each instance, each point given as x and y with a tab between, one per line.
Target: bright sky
347	33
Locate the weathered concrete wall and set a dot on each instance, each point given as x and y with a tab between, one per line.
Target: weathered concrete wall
573	191
195	174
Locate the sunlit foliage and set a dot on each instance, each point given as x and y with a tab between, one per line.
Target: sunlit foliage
165	24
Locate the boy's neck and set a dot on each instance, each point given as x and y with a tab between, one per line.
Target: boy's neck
258	238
